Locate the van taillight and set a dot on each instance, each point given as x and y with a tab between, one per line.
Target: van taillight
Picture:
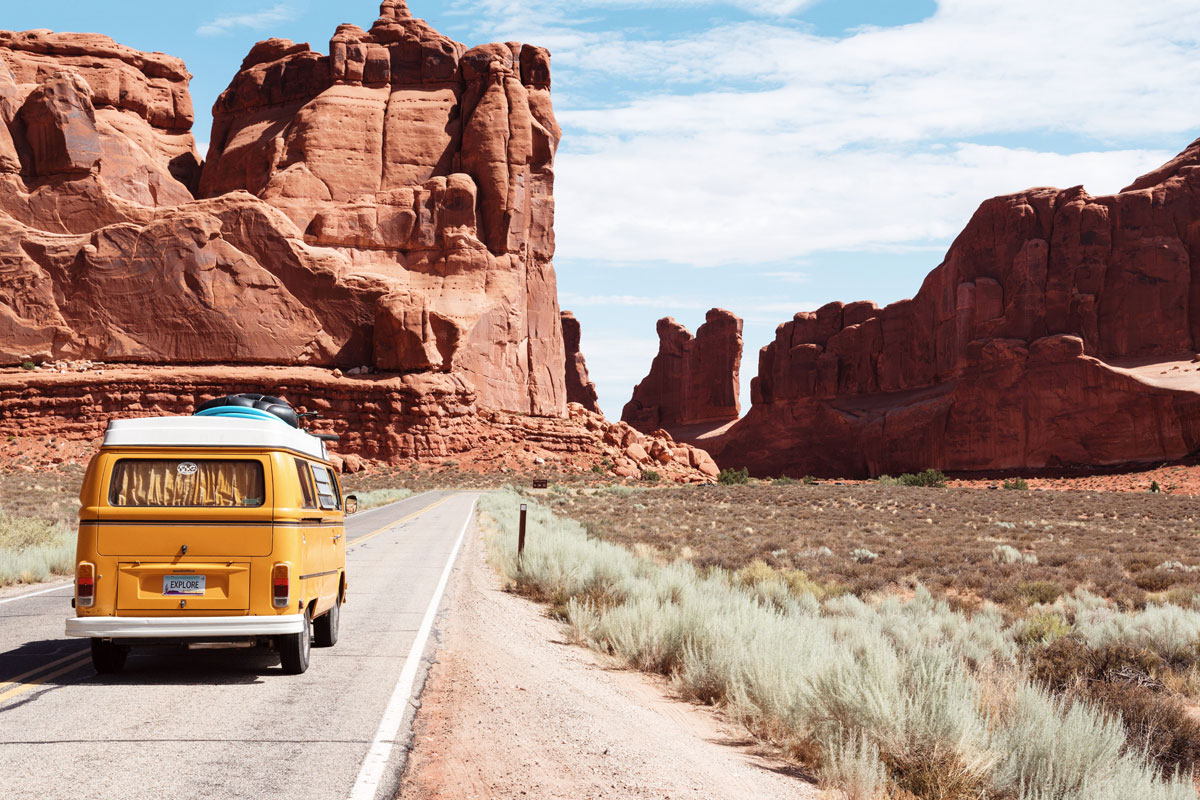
281	585
85	585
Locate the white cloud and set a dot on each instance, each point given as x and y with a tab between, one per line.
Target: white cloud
280	12
710	201
763	142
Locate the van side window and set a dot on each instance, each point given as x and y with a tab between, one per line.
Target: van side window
326	488
306	484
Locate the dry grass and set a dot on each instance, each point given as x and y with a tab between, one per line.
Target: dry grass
1014	548
902	695
38	514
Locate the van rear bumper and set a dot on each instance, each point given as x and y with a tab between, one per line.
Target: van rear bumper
182	627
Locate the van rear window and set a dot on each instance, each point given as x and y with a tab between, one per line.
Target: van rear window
187	483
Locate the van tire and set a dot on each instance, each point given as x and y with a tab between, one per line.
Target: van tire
108	658
295	648
325	633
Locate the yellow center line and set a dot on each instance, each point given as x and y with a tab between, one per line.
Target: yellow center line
35	670
362	539
25	687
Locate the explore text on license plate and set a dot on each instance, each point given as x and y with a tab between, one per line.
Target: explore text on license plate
183	584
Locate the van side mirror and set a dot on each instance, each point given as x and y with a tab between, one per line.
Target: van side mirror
351	504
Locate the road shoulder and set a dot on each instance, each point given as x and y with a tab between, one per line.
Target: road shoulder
510	710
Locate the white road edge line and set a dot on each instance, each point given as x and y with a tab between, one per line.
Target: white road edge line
35	594
377	757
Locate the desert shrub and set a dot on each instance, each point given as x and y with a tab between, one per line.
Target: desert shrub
28	365
883	696
1069	662
1040	592
1153	580
931	478
1122	681
1042	627
650	476
734	477
888	480
1016	485
1168	631
1007	554
33	550
784	480
1155	488
381	497
852	765
757	571
1061	664
1156	723
862	555
809	480
781	587
1183	596
1069	751
598	469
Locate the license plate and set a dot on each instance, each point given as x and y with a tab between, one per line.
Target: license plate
175	585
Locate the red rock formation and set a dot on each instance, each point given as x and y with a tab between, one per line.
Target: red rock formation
693	380
1041	341
580	388
384	418
427	166
389	205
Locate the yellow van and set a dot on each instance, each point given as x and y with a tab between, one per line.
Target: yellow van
220	530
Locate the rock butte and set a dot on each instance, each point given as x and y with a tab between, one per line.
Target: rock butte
694	380
389	206
580	388
1060	331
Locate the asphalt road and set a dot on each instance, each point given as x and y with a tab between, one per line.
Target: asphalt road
228	724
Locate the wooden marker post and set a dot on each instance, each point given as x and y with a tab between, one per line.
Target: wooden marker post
521	535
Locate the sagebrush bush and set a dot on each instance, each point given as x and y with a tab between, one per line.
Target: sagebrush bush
1040	592
1007	554
895	694
1041	628
1124	681
33	550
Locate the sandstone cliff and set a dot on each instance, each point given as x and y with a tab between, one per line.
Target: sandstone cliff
1060	331
429	168
389	205
693	379
372	237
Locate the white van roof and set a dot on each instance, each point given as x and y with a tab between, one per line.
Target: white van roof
212	432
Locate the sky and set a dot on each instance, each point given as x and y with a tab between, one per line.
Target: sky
766	156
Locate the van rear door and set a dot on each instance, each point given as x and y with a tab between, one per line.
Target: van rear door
182	528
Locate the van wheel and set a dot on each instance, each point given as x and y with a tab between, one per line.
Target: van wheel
295	648
108	658
326	627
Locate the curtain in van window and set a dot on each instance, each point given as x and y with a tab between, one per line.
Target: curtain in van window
182	483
